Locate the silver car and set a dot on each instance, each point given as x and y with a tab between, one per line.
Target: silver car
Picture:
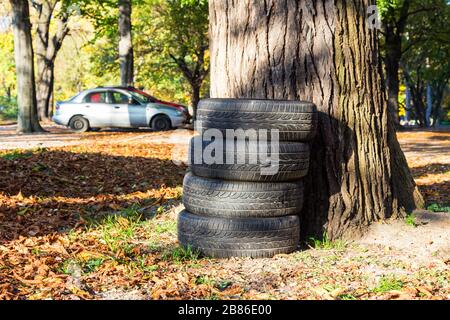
118	107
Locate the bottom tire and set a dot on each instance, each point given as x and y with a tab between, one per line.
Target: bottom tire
240	237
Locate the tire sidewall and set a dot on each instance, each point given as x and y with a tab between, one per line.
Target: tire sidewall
161	123
79	124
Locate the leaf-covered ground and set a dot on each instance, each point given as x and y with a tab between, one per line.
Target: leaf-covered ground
98	221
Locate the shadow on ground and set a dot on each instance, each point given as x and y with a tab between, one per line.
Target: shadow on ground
54	191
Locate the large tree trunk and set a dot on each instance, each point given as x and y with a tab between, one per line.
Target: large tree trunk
125	43
23	53
46	51
322	51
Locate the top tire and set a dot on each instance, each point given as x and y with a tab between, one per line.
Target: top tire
295	120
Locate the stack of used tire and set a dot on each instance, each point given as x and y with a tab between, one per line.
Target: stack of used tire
233	209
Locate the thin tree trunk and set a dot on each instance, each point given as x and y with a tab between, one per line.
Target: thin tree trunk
407	102
47	49
125	43
439	87
392	64
393	31
195	98
27	121
322	51
44	90
429	104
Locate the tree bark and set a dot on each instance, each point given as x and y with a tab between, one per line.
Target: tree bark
392	64
47	49
322	51
195	99
125	44
27	121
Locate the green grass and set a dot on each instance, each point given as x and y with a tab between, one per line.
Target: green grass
21	154
166	226
411	220
117	232
204	280
92	264
10	110
222	285
180	254
16	155
346	296
388	283
73	266
69	266
435	207
326	244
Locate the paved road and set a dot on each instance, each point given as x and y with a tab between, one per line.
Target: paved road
58	136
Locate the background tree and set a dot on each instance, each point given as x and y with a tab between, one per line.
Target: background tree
395	17
47	48
23	52
180	39
322	51
427	60
126	59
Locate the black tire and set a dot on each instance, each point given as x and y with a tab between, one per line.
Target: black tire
239	199
161	123
79	124
246	237
295	120
293	162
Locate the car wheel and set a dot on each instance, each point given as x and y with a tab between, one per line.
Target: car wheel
240	199
161	123
295	120
245	237
292	164
79	124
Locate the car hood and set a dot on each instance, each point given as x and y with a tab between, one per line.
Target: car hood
160	106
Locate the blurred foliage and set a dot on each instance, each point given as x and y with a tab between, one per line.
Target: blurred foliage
8	108
427	53
7	65
425	44
165	28
174	28
89	57
160	28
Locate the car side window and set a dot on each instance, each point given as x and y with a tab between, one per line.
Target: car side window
119	98
96	97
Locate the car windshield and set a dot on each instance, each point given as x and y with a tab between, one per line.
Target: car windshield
142	97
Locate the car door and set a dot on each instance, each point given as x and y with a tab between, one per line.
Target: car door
127	112
96	109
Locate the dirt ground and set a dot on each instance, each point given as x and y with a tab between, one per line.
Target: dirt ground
93	216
